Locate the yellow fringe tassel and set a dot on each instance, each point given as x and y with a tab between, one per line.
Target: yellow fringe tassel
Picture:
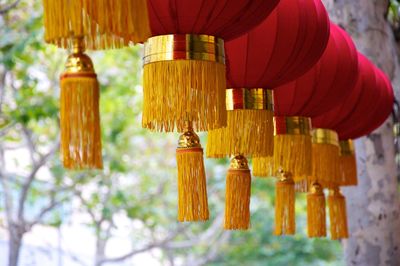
249	132
237	200
347	170
316	215
285	222
110	24
293	153
192	185
184	90
337	215
126	18
80	123
262	166
325	164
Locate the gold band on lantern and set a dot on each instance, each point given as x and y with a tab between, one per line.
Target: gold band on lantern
184	47
325	136
292	125
249	99
346	147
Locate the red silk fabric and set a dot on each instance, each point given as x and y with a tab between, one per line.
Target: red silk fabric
284	46
225	19
367	107
326	84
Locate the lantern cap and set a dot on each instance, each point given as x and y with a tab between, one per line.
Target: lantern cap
346	147
325	136
316	189
285	176
249	98
184	47
239	162
292	125
78	62
189	139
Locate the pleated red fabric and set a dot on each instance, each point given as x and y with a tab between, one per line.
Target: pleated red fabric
225	19
326	84
284	46
366	108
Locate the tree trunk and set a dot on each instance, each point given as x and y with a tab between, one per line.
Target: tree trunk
14	245
373	206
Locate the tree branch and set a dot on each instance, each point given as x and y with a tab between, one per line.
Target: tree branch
5	9
25	188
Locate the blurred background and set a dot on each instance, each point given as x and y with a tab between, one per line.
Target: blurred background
125	215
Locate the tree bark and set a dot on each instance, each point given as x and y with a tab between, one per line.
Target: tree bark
14	245
373	206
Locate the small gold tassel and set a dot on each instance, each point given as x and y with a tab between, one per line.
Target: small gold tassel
192	185
191	87
249	132
262	166
103	24
316	216
337	214
285	222
347	164
79	113
325	157
237	197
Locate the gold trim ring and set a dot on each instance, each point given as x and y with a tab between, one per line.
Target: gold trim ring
249	98
325	136
292	125
346	147
184	47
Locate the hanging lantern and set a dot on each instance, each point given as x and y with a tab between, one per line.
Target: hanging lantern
80	25
184	61
184	79
256	64
372	94
331	79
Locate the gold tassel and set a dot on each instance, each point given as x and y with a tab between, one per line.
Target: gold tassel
125	18
79	113
249	132
285	222
325	157
192	185
337	214
65	20
237	197
347	164
262	166
184	80
316	216
180	90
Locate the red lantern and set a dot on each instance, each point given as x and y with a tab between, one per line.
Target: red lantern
317	91
184	80
281	48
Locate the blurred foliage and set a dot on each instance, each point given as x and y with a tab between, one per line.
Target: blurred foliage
138	181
